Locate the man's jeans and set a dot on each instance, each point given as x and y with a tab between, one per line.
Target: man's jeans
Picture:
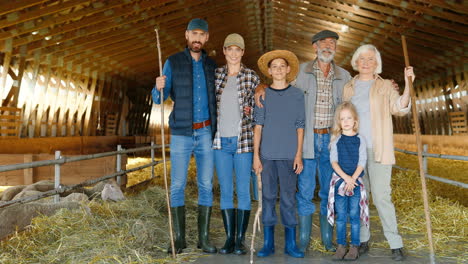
306	180
228	161
347	206
182	147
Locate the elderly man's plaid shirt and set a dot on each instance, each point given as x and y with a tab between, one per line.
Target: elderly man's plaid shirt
247	81
324	110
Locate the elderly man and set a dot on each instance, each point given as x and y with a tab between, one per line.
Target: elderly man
322	82
188	77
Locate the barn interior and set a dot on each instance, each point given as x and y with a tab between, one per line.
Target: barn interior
77	75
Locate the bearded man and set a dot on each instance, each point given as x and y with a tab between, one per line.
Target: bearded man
322	82
188	78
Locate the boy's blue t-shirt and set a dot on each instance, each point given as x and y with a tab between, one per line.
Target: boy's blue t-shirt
282	114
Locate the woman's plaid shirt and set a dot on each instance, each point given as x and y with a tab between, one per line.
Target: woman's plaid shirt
247	81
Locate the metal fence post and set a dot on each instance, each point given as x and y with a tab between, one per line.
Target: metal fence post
57	175
119	165
152	159
424	158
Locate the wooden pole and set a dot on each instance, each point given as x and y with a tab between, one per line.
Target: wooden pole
164	147
257	216
420	158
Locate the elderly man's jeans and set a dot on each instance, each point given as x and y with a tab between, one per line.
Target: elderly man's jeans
182	147
347	206
306	180
229	163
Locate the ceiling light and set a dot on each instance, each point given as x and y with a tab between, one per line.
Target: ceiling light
48	38
344	28
35	32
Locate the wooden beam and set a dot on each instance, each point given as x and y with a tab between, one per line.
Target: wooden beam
89	104
17	5
39	12
6	67
42	108
60	19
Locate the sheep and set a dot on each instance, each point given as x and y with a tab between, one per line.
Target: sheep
11	192
19	216
112	192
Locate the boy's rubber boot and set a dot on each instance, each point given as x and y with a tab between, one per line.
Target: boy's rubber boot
204	215
178	220
242	223
326	231
290	247
230	228
305	229
268	242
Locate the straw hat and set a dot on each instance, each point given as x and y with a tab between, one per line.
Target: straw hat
290	57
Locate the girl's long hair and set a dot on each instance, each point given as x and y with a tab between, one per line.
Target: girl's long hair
337	130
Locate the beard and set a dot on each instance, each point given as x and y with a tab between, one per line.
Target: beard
324	57
195	49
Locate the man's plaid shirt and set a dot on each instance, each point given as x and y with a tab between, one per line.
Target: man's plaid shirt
247	81
324	108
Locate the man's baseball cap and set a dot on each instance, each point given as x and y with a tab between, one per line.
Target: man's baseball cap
198	23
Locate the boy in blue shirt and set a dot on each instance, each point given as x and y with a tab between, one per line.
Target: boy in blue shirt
278	137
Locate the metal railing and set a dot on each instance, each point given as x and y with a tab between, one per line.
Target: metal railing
425	155
60	160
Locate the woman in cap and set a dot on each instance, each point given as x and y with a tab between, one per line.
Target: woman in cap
233	143
278	137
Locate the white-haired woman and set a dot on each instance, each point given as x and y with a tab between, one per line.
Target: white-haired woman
376	101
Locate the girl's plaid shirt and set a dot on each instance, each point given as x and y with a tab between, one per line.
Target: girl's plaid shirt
247	81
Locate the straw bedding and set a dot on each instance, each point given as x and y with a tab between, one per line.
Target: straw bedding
135	230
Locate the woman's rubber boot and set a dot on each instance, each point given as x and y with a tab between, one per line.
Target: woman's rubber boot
268	242
305	229
290	247
326	231
178	223
242	223
204	215
229	218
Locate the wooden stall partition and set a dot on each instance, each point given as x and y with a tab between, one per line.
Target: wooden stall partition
10	122
458	122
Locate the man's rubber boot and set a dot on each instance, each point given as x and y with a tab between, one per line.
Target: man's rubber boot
229	219
326	231
204	215
305	229
242	223
178	223
268	242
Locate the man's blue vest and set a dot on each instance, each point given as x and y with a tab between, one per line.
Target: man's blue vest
181	118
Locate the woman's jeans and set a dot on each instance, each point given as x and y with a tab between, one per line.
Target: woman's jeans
347	206
230	165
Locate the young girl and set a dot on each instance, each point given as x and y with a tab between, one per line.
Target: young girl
348	158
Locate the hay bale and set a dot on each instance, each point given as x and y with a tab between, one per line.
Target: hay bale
11	192
18	217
